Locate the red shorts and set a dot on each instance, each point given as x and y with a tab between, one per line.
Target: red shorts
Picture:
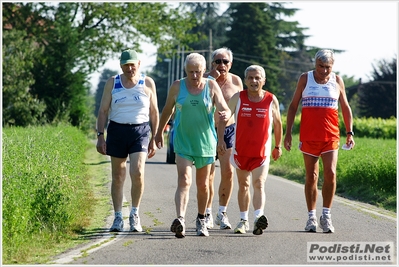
246	163
316	148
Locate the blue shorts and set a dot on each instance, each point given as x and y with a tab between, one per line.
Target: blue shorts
124	139
228	136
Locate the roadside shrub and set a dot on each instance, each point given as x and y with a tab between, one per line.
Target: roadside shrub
374	127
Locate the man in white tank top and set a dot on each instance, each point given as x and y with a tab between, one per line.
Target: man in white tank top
129	102
320	91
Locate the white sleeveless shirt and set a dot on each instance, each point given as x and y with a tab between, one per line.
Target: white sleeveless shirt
129	105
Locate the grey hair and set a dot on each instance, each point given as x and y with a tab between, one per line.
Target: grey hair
222	51
255	67
195	58
325	55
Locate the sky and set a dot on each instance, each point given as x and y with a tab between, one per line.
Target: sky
366	30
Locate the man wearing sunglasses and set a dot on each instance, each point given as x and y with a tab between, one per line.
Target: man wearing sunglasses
230	84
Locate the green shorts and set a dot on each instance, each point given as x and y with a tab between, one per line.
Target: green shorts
199	162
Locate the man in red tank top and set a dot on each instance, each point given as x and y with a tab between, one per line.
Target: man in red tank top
256	112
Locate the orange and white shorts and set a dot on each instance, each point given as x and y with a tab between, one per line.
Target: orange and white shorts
316	148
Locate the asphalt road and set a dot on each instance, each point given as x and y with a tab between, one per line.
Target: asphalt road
284	242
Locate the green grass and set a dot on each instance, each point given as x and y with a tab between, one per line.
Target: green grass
48	196
366	173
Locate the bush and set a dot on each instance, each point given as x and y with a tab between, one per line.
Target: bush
363	127
374	127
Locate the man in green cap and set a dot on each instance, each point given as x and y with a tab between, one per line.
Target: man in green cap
129	106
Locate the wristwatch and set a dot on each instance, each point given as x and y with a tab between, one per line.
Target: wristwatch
99	133
351	133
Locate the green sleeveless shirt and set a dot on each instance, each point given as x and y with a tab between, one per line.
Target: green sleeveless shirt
194	125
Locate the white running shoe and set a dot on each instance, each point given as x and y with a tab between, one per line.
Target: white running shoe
260	224
201	227
134	221
223	221
326	223
311	224
242	227
209	221
178	227
117	226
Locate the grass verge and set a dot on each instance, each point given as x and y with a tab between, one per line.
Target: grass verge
366	173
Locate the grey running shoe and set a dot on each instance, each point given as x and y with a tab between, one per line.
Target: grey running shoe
260	224
117	226
201	227
311	224
242	227
134	221
223	221
178	227
209	221
326	223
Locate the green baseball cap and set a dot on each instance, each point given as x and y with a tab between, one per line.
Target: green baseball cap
129	57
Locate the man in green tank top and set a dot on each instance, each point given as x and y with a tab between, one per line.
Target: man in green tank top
194	100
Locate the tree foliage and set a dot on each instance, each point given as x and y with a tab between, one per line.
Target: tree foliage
20	106
210	27
210	31
252	39
78	37
274	42
377	98
259	33
105	75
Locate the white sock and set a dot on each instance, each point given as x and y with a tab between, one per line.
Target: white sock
208	211
222	209
134	210
312	213
326	211
258	213
118	214
244	215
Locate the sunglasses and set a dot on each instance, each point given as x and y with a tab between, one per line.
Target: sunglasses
219	61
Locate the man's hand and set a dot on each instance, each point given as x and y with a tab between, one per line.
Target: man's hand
221	148
101	145
214	73
223	116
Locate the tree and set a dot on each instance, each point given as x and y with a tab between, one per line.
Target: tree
105	75
78	37
210	27
20	107
259	33
253	41
377	98
210	31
